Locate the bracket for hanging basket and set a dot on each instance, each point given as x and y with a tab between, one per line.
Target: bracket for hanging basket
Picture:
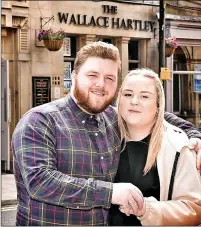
45	20
53	44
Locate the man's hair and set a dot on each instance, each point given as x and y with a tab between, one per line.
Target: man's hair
157	130
97	49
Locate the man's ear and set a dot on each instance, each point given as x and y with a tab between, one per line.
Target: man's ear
73	74
120	90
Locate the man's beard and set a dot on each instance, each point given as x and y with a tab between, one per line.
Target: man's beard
84	101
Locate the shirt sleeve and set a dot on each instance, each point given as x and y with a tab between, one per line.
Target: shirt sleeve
34	150
186	126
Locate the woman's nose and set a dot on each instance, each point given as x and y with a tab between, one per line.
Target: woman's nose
135	100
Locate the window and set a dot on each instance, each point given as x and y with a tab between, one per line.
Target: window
107	40
69	53
186	86
176	94
133	52
180	83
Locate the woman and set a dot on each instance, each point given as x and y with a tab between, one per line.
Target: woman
155	157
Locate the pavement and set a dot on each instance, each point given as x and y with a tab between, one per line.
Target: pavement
8	215
9	191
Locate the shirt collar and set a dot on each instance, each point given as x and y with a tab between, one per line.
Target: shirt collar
79	112
75	100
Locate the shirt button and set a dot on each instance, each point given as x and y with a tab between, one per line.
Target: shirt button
83	122
91	116
78	207
102	158
96	134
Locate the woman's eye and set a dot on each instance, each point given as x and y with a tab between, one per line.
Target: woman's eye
91	75
127	95
145	97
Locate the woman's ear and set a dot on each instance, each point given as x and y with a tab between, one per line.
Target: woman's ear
157	110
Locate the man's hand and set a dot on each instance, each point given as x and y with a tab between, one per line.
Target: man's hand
138	213
128	196
195	144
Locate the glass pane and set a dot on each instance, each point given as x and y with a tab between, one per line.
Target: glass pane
67	86
73	46
176	93
187	86
67	70
179	60
69	47
133	49
133	66
107	40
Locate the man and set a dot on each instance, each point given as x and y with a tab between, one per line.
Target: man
66	152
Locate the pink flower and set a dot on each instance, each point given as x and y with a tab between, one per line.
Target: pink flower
171	42
50	34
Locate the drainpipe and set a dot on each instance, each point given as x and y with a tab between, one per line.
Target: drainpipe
162	35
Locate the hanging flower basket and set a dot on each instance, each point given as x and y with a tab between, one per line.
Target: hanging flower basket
171	44
53	40
53	44
169	51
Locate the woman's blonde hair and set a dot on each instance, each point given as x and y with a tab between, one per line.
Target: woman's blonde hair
157	130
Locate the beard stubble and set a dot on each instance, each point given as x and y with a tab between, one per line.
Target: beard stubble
83	100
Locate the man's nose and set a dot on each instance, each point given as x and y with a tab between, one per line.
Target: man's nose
100	82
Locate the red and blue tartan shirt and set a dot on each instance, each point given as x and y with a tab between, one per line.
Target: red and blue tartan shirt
64	163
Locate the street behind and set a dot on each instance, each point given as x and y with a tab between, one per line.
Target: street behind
8	200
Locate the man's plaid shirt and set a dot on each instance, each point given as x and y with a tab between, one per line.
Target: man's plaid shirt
64	163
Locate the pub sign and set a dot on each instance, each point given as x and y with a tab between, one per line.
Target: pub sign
41	90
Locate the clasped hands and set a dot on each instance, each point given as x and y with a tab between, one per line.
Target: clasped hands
129	198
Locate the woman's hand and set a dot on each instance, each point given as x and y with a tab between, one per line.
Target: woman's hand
137	212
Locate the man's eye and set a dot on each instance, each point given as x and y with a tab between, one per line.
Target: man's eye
109	78
92	75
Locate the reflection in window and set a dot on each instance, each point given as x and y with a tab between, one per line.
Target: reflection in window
69	53
187	87
133	50
107	40
133	54
133	66
180	83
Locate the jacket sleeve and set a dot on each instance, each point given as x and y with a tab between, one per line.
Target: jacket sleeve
185	206
34	150
186	126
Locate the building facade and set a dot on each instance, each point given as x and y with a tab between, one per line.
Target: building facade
36	75
183	91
